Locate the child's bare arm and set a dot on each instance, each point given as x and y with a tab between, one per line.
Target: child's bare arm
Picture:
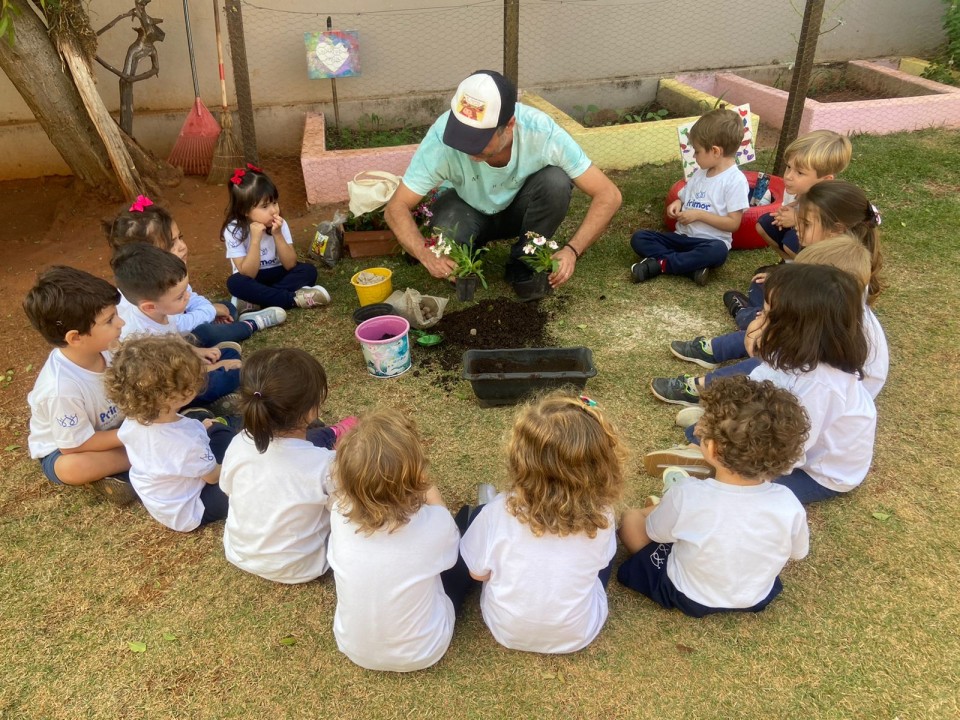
285	252
433	497
727	223
98	442
212	477
225	365
249	264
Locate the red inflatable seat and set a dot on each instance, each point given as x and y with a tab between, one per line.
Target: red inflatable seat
746	236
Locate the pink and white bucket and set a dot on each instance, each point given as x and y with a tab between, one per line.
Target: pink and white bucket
385	344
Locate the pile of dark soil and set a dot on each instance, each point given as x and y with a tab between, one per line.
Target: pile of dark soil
488	325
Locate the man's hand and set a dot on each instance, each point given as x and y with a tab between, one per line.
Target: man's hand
439	267
566	260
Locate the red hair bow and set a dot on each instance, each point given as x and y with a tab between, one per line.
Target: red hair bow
141	203
250	166
238	176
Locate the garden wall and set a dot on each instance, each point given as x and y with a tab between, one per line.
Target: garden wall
413	52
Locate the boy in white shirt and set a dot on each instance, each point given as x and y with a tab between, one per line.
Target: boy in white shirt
718	545
73	427
708	210
155	290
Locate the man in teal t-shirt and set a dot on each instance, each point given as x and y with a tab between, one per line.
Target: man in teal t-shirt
507	169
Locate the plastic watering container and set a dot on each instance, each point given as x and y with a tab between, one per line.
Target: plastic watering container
385	344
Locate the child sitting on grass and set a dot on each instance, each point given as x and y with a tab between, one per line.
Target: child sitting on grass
544	548
154	286
175	460
708	210
73	426
277	477
210	323
393	550
810	159
719	544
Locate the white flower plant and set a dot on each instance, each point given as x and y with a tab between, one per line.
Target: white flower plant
465	255
538	253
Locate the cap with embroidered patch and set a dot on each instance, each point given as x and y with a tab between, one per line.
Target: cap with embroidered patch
482	102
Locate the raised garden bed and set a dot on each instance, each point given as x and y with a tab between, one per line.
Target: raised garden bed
619	147
897	100
504	377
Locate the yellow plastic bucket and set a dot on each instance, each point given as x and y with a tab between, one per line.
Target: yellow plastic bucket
377	292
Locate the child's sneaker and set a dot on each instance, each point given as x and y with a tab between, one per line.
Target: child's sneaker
689	416
243	306
687	459
312	296
694	351
197	413
680	390
226	406
735	301
114	489
268	317
485	493
229	345
671	475
701	276
645	270
343	427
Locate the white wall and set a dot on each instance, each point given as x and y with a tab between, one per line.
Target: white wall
418	55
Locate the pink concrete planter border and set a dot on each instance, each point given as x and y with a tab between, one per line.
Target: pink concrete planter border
930	104
327	172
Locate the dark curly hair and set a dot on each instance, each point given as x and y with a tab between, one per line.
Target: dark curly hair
759	429
66	299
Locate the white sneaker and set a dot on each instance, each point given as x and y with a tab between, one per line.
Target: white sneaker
312	296
268	317
689	416
229	345
243	306
671	476
485	493
689	460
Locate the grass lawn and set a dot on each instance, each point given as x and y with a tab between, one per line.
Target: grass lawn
867	626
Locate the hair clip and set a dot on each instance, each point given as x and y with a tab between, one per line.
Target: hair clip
251	166
587	401
141	203
238	176
256	393
876	215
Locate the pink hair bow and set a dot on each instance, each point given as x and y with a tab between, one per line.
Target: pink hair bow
253	167
238	176
141	203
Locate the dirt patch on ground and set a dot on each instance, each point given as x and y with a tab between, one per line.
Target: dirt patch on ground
488	325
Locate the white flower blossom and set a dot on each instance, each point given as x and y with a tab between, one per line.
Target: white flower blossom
540	241
446	249
529	249
552	245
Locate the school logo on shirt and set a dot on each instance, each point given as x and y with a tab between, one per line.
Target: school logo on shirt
67	421
659	556
110	414
208	456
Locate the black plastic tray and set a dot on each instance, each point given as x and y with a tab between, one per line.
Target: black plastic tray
504	377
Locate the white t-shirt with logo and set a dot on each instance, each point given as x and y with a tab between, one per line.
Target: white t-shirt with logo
544	594
167	465
239	245
722	194
278	523
68	404
392	613
843	422
729	541
877	367
136	322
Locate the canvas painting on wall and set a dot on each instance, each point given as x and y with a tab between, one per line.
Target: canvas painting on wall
332	54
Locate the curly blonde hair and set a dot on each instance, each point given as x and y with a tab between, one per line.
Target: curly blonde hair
759	429
381	471
147	370
565	463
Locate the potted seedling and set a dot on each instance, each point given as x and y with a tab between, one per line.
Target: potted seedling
538	254
469	269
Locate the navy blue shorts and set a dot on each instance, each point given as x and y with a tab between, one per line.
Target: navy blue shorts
786	239
646	572
47	464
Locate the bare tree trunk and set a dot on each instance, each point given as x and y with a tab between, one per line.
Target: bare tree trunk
35	69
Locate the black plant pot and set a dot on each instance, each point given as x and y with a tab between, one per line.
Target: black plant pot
466	287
